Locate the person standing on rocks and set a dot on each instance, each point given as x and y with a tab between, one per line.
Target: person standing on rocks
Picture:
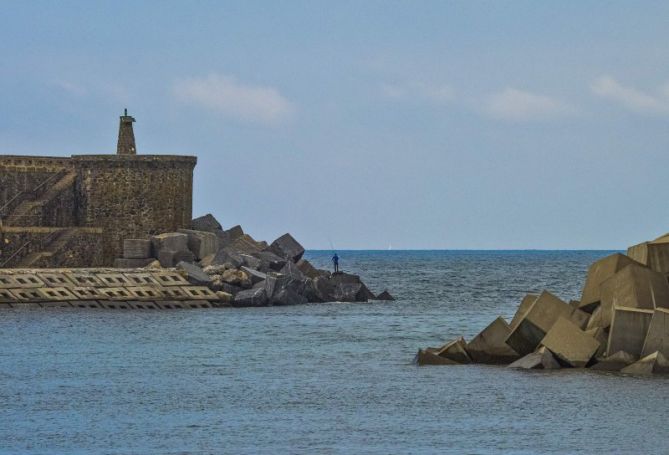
335	261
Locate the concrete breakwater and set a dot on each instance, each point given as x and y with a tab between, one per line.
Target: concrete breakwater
620	323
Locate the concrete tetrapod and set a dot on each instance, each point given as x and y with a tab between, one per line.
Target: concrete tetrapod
489	346
570	344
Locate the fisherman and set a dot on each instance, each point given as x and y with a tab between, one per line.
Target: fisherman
335	261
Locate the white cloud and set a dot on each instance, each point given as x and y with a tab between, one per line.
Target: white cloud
519	105
230	97
630	97
434	93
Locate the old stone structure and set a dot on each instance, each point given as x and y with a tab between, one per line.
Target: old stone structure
75	212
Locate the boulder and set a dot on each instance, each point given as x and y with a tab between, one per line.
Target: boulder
236	278
170	241
256	276
287	296
201	243
654	254
287	247
654	363
615	362
570	344
489	346
425	357
122	263
657	338
525	305
456	351
250	298
597	274
542	359
385	295
536	322
270	261
308	269
136	248
629	327
206	223
194	274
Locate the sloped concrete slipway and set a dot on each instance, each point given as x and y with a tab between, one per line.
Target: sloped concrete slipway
621	322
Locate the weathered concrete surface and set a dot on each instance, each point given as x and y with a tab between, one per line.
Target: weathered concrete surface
602	337
287	247
250	298
201	243
657	338
536	322
525	305
308	269
654	254
629	327
597	274
489	346
425	357
654	363
570	344
615	362
456	351
206	223
542	359
194	274
136	248
170	241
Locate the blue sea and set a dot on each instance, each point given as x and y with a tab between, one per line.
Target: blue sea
319	379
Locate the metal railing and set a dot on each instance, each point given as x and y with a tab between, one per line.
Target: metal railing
43	243
33	192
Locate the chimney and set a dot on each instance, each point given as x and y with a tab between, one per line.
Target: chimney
126	137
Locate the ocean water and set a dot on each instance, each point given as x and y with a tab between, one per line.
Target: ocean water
319	379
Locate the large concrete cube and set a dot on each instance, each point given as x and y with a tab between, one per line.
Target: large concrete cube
615	362
597	274
657	338
654	254
536	322
287	247
629	327
456	350
654	363
170	241
570	344
489	346
426	357
525	305
542	359
201	243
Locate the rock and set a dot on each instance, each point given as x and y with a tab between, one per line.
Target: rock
654	254
629	327
489	346
251	297
216	269
234	233
201	243
183	256
310	292
270	261
166	258
287	247
236	278
155	264
207	260
654	363
122	263
385	295
570	344
170	241
249	261
425	357
542	359
456	351
255	276
308	269
525	305
194	274
602	337
615	362
224	256
136	248
291	270
231	288
657	338
597	274
206	223
536	322
224	296
348	288
287	296
246	244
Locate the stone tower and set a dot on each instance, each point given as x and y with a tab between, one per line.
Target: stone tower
126	136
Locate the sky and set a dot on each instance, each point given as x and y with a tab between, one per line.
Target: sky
366	124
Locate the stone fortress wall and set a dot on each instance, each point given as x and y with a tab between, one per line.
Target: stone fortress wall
76	211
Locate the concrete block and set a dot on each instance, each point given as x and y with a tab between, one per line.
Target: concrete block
580	318
287	247
122	263
26	295
201	243
308	269
657	338
115	305
114	279
654	363
250	261
141	278
196	304
56	280
570	344
525	305
169	278
199	293
87	304
602	337
26	305
168	304
87	293
456	351
142	305
146	293
7	282
137	248
542	359
425	357
615	362
251	297
56	294
654	254
28	280
385	295
597	274
174	293
56	305
536	322
170	241
206	223
84	279
270	262
117	294
629	327
194	274
489	346
6	296
255	275
226	256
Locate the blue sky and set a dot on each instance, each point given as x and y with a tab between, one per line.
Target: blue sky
516	124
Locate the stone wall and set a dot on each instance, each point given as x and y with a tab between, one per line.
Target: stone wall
133	196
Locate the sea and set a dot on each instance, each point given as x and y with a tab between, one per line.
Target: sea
333	378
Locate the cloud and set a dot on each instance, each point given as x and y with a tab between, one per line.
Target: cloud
630	97
227	95
519	105
71	88
434	93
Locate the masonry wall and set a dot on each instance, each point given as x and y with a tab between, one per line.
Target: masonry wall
133	196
